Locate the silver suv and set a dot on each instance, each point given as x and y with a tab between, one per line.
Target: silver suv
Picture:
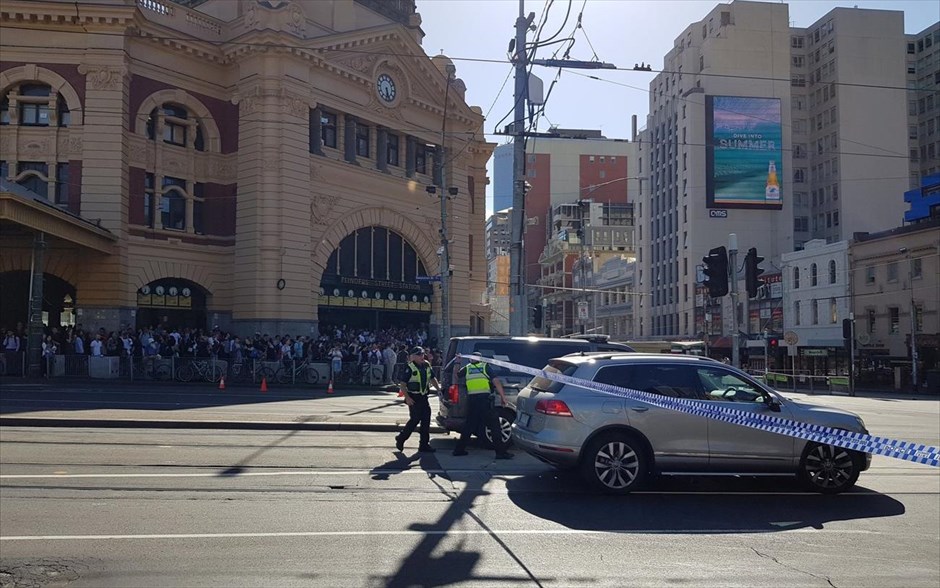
617	443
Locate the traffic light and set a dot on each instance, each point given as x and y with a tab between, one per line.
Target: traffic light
537	317
773	343
847	331
752	272
716	272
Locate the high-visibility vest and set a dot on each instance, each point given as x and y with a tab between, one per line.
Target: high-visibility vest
414	383
478	381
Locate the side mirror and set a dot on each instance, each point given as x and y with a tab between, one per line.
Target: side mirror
772	403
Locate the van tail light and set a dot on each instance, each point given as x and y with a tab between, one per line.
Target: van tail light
553	408
453	394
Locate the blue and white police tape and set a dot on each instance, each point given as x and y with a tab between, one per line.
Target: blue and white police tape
905	450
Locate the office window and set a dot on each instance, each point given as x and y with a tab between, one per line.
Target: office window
833	311
813	275
815	312
328	129
362	140
917	269
870	274
832	271
796	313
796	278
392	149
893	271
918	318
895	317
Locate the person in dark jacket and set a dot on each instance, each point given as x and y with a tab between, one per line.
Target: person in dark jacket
415	381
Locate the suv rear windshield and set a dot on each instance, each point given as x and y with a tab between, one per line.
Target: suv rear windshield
534	354
541	384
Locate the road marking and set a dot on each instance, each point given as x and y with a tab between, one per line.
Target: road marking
406	533
238	475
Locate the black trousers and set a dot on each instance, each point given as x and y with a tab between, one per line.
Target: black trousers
480	412
419	414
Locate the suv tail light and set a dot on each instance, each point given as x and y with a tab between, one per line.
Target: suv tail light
553	408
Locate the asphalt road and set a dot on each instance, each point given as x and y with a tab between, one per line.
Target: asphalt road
147	507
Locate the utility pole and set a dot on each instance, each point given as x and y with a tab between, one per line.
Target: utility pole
733	287
445	245
518	309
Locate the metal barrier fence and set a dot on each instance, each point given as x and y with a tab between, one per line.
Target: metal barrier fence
810	383
191	369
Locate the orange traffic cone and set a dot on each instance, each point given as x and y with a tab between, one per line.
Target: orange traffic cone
222	383
264	385
329	389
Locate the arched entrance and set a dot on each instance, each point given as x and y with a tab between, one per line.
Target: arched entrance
371	281
172	303
58	300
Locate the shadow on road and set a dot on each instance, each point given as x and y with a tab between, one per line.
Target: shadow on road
421	567
694	505
17	398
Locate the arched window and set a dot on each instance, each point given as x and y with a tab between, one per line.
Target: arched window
796	278
178	126
34	104
813	275
180	204
832	271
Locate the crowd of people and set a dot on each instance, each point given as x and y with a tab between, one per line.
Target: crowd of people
335	344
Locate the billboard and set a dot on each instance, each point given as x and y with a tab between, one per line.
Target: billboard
744	152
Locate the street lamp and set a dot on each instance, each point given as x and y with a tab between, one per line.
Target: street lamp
910	284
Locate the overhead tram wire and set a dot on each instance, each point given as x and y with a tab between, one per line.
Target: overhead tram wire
888	153
425	58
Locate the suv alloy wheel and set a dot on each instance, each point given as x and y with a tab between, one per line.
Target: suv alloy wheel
615	463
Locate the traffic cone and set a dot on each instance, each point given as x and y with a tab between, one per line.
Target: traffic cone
264	385
222	383
329	389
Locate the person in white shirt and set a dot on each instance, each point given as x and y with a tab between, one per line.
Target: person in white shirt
96	346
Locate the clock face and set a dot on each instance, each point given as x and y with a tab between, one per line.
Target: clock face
386	88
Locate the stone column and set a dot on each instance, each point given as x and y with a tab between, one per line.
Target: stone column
103	292
272	268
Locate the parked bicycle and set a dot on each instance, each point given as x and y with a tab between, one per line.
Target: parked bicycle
297	372
251	370
208	370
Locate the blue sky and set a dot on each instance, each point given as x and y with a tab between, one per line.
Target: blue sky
622	32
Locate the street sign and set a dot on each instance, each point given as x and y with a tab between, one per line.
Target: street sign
582	311
425	279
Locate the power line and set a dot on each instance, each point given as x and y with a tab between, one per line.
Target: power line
268	45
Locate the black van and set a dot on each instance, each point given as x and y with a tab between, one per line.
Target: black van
528	351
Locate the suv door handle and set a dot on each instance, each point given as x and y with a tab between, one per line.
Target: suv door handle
639	408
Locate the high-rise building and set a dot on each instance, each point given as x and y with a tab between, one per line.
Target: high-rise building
498	235
502	178
923	79
565	167
766	131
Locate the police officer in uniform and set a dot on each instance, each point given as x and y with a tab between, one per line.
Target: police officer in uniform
480	383
414	382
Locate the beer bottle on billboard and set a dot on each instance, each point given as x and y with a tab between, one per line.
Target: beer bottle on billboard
773	186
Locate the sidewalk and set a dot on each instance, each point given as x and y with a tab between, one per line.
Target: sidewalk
57	403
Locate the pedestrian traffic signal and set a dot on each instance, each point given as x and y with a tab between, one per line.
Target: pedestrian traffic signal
752	272
716	272
537	317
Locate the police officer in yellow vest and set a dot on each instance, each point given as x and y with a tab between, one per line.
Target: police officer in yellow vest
414	382
480	411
